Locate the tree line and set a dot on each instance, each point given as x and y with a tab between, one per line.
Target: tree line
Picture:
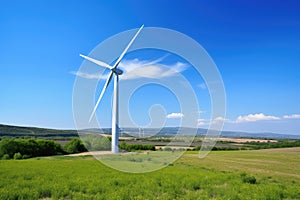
12	148
136	147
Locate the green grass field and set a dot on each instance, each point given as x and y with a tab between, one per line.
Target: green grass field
263	174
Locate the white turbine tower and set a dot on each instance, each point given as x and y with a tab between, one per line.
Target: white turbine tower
115	110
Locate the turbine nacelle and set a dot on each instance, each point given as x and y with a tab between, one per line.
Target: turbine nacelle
117	71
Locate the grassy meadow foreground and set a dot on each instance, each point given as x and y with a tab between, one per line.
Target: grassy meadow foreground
260	174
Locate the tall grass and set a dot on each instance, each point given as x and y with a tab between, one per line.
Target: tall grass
86	178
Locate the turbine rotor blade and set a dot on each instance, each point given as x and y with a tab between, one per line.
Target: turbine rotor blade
101	95
98	62
126	49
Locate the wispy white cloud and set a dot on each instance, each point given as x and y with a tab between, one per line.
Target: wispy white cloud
175	115
294	116
85	75
134	69
202	122
251	118
255	117
89	75
217	120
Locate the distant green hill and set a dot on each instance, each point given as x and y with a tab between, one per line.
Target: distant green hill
20	131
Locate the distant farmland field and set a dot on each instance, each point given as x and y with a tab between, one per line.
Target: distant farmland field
261	174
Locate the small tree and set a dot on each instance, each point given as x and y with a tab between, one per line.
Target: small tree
96	142
74	146
5	157
18	156
8	146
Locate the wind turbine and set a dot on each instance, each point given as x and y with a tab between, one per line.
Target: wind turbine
114	70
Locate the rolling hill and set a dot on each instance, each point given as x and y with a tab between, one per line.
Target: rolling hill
22	131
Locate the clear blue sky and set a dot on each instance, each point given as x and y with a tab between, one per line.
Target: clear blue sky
255	44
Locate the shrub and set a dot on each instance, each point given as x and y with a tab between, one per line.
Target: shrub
26	156
219	148
29	147
167	149
18	156
96	142
75	146
8	146
225	148
248	179
136	147
5	157
279	144
48	148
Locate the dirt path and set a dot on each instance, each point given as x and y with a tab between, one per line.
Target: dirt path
91	153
